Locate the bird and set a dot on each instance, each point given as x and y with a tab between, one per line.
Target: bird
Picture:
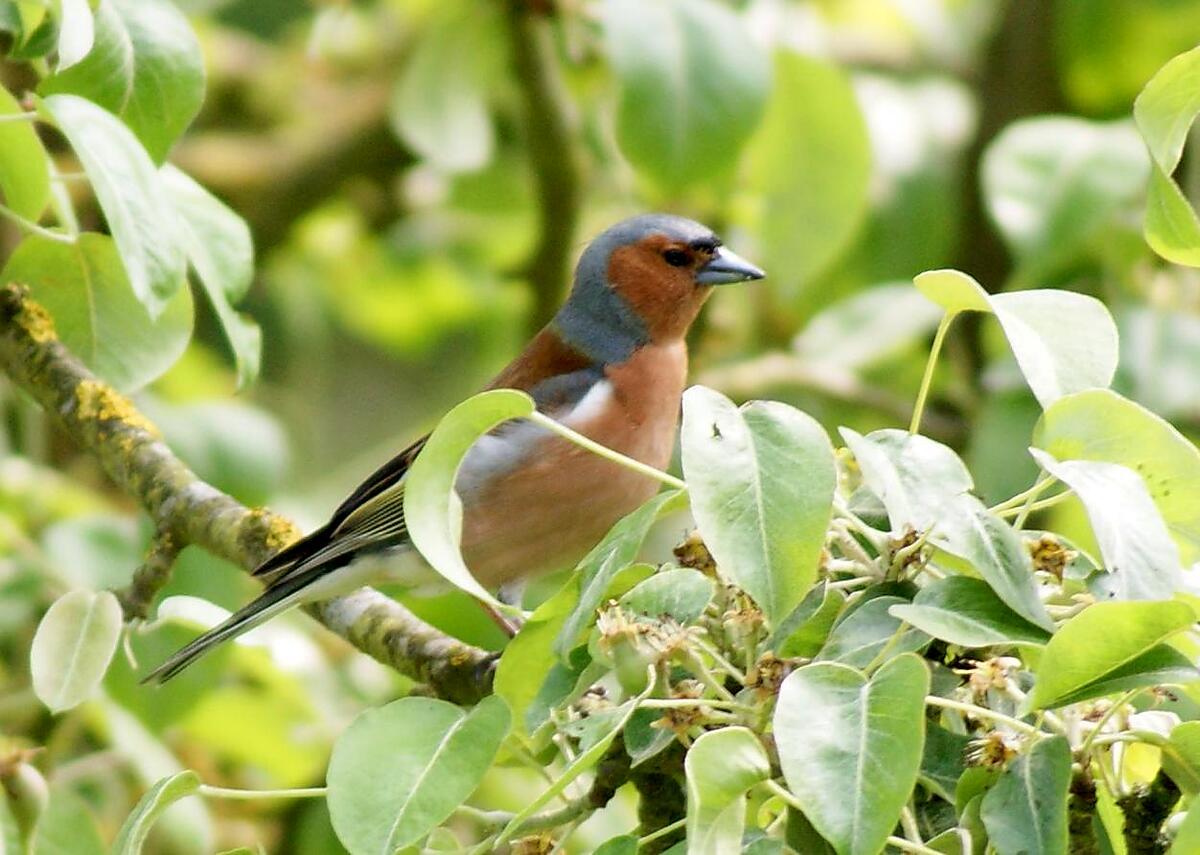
611	365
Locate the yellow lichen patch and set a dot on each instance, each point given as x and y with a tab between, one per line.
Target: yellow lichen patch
35	321
102	403
278	531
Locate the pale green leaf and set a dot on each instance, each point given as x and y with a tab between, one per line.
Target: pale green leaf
1101	425
1026	810
1101	640
721	766
679	593
24	164
67	827
432	509
1181	756
692	86
1140	559
76	32
761	479
105	75
953	290
74	643
96	313
400	770
136	828
127	185
219	247
1187	838
867	631
850	748
529	657
965	611
811	161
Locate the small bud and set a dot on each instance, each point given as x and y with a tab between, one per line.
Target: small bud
994	673
26	790
1049	555
767	675
535	844
693	553
993	751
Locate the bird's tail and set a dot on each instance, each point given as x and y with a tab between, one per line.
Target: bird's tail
269	603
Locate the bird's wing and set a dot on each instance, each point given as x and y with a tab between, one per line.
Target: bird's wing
372	516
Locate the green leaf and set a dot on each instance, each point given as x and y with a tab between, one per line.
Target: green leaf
850	748
596	572
219	247
1101	425
1095	644
436	755
721	766
859	637
24	164
439	107
692	86
625	844
1165	111
1054	364
1141	560
943	761
814	183
965	611
680	593
72	647
132	836
528	659
96	313
67	827
805	630
431	507
126	183
1161	665
76	32
1181	757
1053	184
1187	838
761	479
1026	810
105	75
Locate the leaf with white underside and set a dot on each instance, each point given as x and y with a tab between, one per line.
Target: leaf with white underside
721	766
1141	560
1026	810
72	647
850	747
1101	425
432	510
761	479
1055	362
400	770
76	32
136	828
127	185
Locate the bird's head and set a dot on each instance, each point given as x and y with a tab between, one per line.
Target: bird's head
644	280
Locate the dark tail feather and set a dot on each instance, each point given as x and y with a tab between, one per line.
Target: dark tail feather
293	554
269	603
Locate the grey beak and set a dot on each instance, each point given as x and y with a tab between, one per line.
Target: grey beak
727	267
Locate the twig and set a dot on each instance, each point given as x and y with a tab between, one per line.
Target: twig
137	597
129	448
553	154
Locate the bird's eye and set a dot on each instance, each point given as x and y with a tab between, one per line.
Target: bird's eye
676	257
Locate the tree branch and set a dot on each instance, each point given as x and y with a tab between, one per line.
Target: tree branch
552	153
188	510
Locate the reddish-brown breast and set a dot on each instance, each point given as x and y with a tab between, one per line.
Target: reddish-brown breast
551	510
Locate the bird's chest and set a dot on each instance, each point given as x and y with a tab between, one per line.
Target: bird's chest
558	500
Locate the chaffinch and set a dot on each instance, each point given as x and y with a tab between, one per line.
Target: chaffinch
611	365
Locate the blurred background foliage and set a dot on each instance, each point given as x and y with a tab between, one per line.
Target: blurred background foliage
418	175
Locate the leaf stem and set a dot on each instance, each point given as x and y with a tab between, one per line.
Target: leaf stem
1025	510
908	846
249	795
982	712
1040	483
18	117
31	227
927	380
1104	719
784	793
596	448
661	832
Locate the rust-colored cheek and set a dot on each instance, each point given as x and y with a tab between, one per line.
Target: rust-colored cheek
666	298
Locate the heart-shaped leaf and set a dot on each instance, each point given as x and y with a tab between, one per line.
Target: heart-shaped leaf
720	767
1026	810
850	748
436	755
761	479
72	647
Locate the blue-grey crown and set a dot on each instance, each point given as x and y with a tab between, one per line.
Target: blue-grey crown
595	318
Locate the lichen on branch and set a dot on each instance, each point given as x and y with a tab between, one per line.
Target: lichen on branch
186	509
